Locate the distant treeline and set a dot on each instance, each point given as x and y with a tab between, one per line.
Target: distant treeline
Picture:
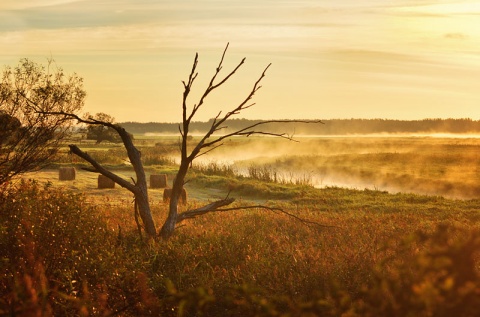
330	127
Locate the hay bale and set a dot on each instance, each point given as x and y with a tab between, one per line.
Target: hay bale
167	193
66	173
105	182
158	181
183	197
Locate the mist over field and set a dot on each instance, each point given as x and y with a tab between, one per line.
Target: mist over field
439	165
430	156
111	207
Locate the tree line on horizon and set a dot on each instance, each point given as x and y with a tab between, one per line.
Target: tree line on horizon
330	127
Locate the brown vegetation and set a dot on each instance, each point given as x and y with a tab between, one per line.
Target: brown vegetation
385	255
29	137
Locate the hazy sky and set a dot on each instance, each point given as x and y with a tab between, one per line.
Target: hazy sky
401	59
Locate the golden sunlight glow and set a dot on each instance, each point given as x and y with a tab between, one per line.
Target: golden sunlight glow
452	8
330	59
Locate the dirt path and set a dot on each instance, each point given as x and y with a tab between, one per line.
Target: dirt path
86	183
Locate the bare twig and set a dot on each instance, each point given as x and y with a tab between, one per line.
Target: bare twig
215	207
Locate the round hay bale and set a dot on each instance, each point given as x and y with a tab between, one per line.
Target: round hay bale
183	196
66	173
167	193
158	181
105	182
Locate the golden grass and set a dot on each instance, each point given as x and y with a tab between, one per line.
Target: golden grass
377	254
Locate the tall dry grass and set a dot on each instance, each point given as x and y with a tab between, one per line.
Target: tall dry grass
376	255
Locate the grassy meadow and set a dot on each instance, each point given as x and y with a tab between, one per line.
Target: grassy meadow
396	232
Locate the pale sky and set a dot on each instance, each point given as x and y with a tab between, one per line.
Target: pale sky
397	59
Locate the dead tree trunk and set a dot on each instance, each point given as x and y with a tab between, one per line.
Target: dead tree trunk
210	141
169	226
207	143
144	210
138	187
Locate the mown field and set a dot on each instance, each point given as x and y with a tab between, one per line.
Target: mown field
68	248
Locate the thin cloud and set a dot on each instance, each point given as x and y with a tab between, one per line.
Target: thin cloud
434	9
455	36
29	4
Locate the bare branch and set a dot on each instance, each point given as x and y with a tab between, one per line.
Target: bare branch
307	222
215	207
190	214
180	130
212	86
248	132
89	120
217	123
102	170
209	150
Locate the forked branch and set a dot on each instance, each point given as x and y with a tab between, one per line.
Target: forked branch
219	121
212	140
247	131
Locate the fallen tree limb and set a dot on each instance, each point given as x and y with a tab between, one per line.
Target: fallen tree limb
216	207
212	207
102	170
90	169
275	210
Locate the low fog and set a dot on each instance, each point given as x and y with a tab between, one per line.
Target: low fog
432	165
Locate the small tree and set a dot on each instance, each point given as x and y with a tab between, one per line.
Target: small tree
207	143
101	133
29	136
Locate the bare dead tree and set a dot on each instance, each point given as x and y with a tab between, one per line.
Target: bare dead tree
138	186
212	139
29	137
